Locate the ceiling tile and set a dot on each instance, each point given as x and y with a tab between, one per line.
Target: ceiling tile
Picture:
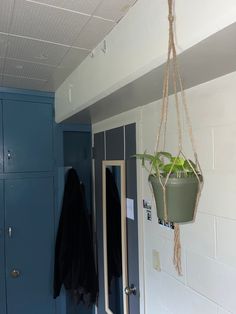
84	6
3	45
6	9
58	78
47	88
27	69
72	59
47	23
35	51
94	31
20	82
114	9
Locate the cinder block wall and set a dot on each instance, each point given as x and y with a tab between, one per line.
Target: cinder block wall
208	284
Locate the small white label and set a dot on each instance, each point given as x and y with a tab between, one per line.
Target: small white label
149	214
130	208
147	204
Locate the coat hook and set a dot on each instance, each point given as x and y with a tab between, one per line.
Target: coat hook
104	47
92	54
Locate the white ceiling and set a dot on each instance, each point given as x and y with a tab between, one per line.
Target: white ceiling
41	42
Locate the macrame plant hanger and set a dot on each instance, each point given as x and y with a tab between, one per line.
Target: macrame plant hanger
172	73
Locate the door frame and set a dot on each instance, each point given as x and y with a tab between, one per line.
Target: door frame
132	116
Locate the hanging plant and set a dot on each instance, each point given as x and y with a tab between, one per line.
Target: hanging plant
181	187
176	180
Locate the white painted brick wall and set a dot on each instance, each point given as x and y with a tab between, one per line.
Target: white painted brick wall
200	236
212	279
208	284
226	235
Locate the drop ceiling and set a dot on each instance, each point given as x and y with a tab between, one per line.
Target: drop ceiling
41	42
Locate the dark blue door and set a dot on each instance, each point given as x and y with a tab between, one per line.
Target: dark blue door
2	259
115	144
29	245
27	136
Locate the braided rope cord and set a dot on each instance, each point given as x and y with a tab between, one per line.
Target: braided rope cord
174	73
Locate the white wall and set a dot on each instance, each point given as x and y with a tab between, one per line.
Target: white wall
137	45
208	283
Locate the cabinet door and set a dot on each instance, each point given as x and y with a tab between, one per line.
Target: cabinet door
29	245
1	139
27	136
2	255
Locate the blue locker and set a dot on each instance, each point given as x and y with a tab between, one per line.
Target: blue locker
28	136
1	139
27	200
29	245
27	222
2	257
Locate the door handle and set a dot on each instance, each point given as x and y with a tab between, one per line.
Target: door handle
15	273
130	290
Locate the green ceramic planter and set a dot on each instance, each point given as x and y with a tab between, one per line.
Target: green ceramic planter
181	197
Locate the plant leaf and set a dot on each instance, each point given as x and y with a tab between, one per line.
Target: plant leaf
187	166
178	161
174	169
157	164
164	154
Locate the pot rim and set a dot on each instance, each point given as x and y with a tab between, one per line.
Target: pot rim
174	180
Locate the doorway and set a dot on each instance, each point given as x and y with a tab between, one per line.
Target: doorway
118	144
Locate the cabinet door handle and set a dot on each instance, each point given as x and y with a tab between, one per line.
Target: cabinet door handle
9	156
15	273
10	232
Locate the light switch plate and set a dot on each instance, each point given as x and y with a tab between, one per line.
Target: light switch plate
156	260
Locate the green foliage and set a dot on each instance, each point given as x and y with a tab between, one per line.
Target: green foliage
164	163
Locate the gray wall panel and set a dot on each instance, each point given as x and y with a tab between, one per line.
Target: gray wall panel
115	144
132	225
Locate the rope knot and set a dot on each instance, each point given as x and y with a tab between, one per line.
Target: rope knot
171	18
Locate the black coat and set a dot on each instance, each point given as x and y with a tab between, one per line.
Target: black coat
74	256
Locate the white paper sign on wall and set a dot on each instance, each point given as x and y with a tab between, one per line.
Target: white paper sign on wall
130	208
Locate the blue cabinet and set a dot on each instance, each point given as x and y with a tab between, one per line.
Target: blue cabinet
29	245
27	209
27	136
1	138
2	257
